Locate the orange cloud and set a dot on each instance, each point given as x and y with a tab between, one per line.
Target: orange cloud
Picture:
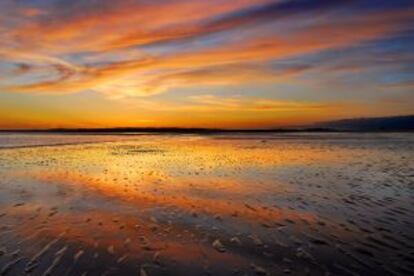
211	102
128	50
125	24
149	74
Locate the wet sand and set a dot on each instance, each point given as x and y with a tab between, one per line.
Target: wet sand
265	204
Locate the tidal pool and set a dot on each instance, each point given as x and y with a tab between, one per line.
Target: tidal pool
231	204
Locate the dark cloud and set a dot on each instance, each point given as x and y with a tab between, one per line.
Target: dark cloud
276	10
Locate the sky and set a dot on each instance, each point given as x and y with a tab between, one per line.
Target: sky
198	63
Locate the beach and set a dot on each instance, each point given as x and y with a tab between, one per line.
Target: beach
220	204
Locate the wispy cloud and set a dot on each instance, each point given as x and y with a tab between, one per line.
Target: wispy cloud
124	49
49	37
252	104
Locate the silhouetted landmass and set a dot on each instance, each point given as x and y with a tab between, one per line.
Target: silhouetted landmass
396	123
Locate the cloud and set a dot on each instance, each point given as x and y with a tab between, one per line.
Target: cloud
72	42
126	23
402	85
252	104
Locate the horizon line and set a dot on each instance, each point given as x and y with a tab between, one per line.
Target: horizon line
328	125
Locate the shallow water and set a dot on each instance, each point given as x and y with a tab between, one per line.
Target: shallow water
300	204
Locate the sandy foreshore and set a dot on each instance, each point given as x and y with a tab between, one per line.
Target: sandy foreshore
266	204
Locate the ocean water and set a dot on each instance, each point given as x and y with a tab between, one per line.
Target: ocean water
230	204
21	140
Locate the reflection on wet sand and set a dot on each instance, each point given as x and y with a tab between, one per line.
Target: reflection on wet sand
219	205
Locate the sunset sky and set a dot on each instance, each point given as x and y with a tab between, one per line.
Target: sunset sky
215	63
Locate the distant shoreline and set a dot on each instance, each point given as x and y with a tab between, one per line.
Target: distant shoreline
374	124
206	131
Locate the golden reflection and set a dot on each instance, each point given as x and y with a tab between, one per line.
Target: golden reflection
182	202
